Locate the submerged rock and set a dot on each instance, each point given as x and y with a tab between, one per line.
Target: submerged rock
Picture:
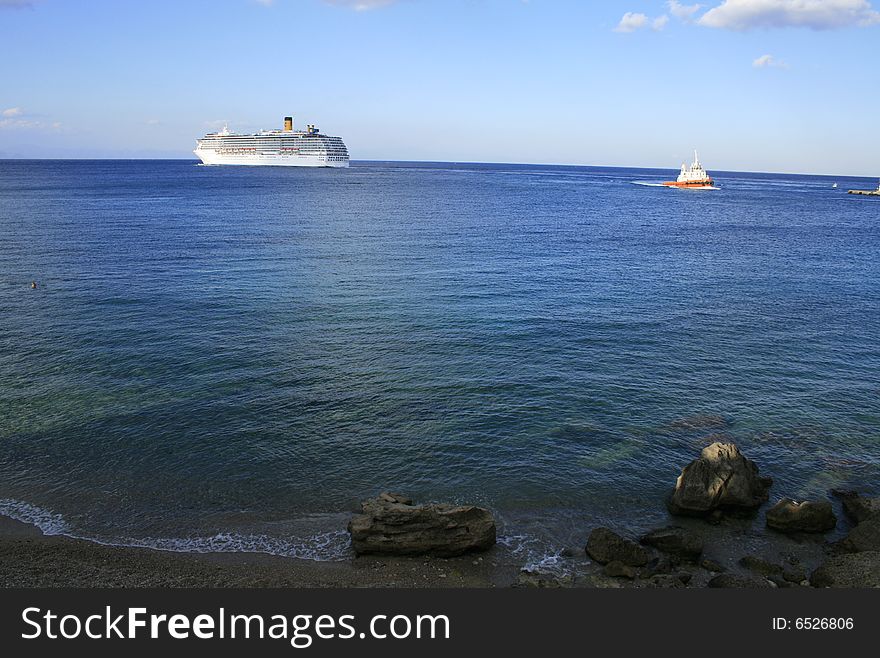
700	422
808	516
721	479
857	507
391	525
604	546
849	570
674	541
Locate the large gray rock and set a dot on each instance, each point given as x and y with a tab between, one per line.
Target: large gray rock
604	546
808	516
864	537
391	525
849	570
721	479
674	541
857	507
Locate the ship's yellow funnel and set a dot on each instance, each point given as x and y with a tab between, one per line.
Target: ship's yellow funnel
288	124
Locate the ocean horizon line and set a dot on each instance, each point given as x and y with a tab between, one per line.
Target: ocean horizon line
474	162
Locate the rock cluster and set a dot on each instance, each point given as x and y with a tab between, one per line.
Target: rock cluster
392	525
857	563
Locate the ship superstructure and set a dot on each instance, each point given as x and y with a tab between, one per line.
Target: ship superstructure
694	177
286	147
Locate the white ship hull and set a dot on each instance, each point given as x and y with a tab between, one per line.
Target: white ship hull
211	157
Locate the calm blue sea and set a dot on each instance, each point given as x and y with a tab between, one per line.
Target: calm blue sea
230	358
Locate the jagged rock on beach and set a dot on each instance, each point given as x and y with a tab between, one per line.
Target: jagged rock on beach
721	479
676	541
391	524
849	570
808	516
856	506
604	546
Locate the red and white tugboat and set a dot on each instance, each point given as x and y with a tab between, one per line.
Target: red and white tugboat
693	177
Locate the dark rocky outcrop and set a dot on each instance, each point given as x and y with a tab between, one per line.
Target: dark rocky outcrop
857	507
808	516
721	479
604	546
864	537
849	570
674	541
391	525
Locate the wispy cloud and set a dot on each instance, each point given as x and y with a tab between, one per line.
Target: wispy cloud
16	4
742	15
683	12
631	22
265	3
659	23
769	61
16	117
361	5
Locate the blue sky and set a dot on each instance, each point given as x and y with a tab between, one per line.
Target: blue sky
760	85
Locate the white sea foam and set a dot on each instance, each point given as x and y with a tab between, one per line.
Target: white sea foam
48	522
535	554
332	546
329	546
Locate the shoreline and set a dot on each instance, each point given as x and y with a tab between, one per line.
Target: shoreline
31	559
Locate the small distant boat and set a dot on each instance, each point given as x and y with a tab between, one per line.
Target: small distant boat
693	177
835	185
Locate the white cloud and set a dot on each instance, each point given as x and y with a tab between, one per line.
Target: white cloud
659	23
744	15
13	112
631	22
265	3
361	5
769	61
683	12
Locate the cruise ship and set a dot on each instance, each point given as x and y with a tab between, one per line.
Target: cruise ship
693	177
286	147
